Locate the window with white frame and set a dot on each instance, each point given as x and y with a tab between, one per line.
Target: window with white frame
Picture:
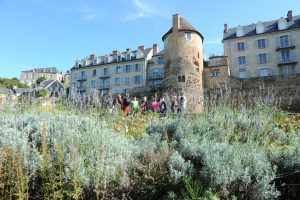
118	69
137	79
285	56
261	43
160	60
93	83
287	70
117	81
240	46
262	58
284	41
137	67
127	68
128	56
264	72
105	71
242	61
127	80
215	73
188	36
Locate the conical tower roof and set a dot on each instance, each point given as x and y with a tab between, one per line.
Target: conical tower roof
184	25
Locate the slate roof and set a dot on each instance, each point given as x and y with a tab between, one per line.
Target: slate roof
184	26
6	91
270	26
43	70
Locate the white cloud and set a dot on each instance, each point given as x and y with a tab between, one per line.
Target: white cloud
143	10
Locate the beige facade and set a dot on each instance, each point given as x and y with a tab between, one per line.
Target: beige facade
115	73
264	49
29	77
155	70
216	74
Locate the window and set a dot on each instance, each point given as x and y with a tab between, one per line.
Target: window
188	36
160	60
83	74
137	79
127	68
95	61
215	73
126	90
240	46
285	56
118	69
106	60
119	58
262	58
287	70
105	83
128	56
127	80
50	77
242	60
105	71
242	74
155	72
117	81
94	72
284	41
264	72
137	67
93	83
261	43
32	76
181	78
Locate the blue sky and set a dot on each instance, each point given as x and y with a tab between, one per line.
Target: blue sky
46	33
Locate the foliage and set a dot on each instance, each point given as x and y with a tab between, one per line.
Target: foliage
9	83
40	79
42	93
75	151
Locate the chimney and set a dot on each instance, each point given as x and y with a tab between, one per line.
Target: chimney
92	56
155	48
142	48
128	49
176	22
290	16
225	28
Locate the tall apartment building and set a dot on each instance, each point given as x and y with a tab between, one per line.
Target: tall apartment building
264	49
29	77
114	73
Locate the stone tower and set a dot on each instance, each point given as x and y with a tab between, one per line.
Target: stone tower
183	62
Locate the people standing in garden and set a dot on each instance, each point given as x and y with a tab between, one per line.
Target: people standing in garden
134	105
174	105
162	105
144	104
126	104
155	105
182	103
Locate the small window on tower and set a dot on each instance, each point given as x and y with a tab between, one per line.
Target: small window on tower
181	79
188	36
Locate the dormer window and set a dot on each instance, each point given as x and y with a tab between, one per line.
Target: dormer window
76	65
239	31
95	61
188	36
282	24
260	28
119	58
139	54
84	63
128	56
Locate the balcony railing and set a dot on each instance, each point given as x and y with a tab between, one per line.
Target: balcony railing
287	60
104	75
155	76
82	78
104	86
285	44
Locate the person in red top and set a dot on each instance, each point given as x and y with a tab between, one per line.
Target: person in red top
126	104
155	107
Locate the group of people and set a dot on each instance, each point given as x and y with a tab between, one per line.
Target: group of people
177	104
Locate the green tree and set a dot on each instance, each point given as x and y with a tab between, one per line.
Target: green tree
40	79
42	93
9	83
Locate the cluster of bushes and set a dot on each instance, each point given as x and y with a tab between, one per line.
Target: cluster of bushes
223	153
